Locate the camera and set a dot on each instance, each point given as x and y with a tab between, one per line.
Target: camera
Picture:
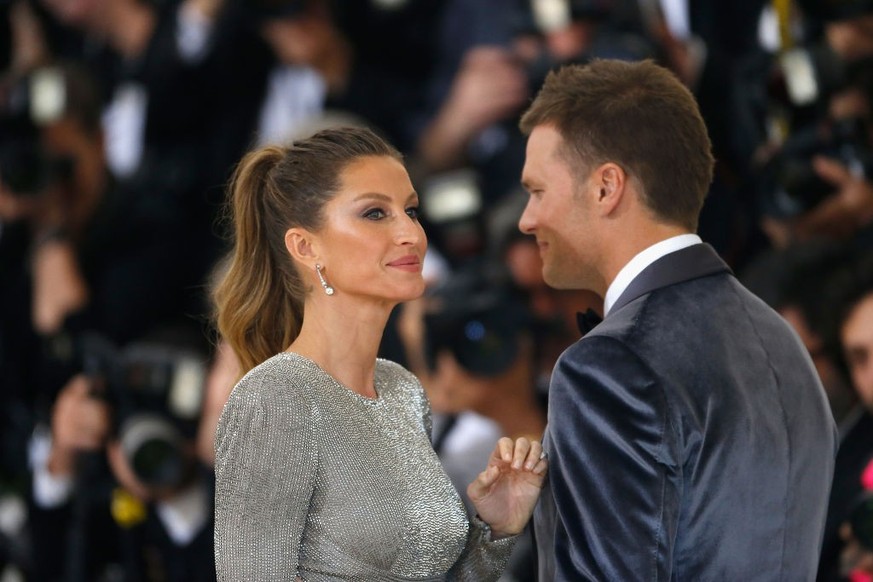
791	185
787	104
477	317
26	105
155	392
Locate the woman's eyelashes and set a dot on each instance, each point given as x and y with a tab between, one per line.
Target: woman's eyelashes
374	214
379	213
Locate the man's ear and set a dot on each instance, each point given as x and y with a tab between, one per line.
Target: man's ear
611	181
300	244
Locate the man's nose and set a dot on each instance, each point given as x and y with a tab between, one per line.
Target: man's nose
527	223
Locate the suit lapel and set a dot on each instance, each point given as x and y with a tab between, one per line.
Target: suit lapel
685	264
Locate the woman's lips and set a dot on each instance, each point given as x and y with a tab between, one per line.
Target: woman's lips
407	263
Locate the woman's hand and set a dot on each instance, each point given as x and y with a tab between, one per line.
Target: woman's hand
506	492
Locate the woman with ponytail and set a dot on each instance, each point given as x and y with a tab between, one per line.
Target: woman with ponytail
324	467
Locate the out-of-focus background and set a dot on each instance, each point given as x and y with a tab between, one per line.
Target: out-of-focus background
121	121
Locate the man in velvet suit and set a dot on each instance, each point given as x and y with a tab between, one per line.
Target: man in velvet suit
688	436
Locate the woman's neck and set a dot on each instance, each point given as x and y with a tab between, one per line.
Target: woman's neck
343	339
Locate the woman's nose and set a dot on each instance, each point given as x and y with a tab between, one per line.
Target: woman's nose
409	231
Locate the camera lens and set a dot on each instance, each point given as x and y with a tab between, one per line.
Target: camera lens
154	449
485	344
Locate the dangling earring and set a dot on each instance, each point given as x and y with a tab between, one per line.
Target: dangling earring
327	288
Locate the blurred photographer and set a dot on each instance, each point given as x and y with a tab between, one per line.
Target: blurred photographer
106	261
848	539
103	255
117	487
801	123
820	183
494	56
368	59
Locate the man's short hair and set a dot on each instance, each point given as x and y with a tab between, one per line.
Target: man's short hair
639	116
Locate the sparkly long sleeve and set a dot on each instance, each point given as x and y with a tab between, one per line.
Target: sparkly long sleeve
482	560
265	463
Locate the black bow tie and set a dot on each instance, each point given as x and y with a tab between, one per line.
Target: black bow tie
588	320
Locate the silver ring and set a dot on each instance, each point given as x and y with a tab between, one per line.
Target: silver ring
544	455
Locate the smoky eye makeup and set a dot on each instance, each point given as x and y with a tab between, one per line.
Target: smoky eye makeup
377	206
373	213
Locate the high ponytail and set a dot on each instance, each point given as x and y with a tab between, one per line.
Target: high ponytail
253	315
259	296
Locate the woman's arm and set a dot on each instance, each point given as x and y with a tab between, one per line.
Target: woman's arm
265	465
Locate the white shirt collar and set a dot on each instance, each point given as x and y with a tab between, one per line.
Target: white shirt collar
642	260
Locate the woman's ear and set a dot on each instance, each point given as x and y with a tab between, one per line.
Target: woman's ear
299	244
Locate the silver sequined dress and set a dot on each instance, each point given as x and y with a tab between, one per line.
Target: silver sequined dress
316	481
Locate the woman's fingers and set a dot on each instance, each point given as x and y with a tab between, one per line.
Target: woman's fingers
534	455
520	453
480	485
505	448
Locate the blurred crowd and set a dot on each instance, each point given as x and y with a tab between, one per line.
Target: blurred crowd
121	121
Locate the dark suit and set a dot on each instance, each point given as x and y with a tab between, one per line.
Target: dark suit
689	438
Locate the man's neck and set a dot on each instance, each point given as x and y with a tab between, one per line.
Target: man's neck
632	243
645	256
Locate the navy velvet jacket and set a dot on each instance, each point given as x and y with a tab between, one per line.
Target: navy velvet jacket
689	438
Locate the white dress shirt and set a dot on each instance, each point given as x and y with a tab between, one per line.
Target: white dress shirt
642	260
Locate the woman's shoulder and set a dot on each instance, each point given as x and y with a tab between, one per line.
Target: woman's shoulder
278	377
267	402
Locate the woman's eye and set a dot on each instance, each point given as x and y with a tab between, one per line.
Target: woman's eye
412	212
374	214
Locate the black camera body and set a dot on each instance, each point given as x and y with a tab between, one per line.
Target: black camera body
155	392
788	96
476	316
792	186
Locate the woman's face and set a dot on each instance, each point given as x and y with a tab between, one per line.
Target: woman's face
371	244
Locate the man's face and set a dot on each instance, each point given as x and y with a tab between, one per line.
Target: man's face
856	337
558	214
